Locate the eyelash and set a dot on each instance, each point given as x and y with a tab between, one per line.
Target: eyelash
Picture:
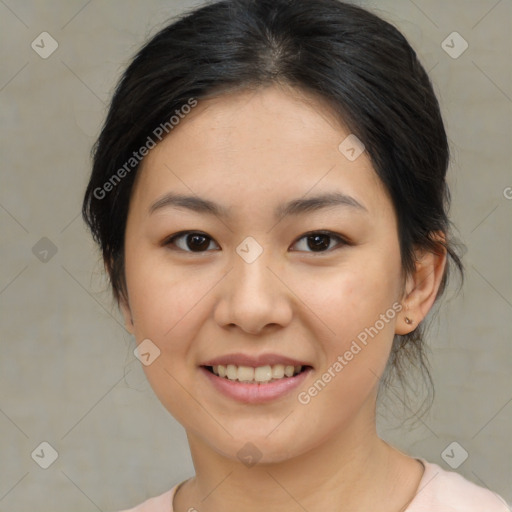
341	241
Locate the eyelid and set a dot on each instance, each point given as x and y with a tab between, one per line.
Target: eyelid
342	241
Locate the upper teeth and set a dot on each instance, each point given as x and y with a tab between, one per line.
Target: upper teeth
259	374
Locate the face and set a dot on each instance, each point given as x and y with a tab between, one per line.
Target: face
259	282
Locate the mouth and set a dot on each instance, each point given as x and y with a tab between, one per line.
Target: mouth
255	384
259	375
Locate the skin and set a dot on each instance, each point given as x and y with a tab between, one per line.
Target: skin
251	151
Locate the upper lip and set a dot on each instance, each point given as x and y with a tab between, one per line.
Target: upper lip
254	361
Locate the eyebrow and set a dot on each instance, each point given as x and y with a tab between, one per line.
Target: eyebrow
293	207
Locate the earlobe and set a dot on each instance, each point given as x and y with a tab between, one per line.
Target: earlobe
421	289
127	315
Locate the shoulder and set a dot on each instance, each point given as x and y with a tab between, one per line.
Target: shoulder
447	491
161	503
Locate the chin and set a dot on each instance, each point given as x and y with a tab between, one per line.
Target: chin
253	448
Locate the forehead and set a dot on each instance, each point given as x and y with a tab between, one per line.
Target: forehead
267	145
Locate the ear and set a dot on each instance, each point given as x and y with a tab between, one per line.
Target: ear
421	287
127	315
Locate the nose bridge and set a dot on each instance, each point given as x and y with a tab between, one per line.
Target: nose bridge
252	296
251	274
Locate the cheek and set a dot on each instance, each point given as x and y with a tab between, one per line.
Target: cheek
161	294
165	304
351	298
354	356
357	304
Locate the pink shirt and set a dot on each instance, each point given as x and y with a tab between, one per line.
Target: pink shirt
439	491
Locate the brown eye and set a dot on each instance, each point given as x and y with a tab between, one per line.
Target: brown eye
320	241
190	241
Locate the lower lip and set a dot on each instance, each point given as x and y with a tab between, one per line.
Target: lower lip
255	393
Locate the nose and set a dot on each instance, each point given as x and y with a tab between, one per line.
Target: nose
253	297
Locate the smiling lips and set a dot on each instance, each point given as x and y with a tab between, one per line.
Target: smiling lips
253	392
255	379
260	369
262	374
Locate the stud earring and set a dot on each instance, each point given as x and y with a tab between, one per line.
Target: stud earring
408	320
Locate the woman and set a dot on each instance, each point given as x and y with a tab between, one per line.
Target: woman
269	195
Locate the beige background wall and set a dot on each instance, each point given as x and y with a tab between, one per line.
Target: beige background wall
68	375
